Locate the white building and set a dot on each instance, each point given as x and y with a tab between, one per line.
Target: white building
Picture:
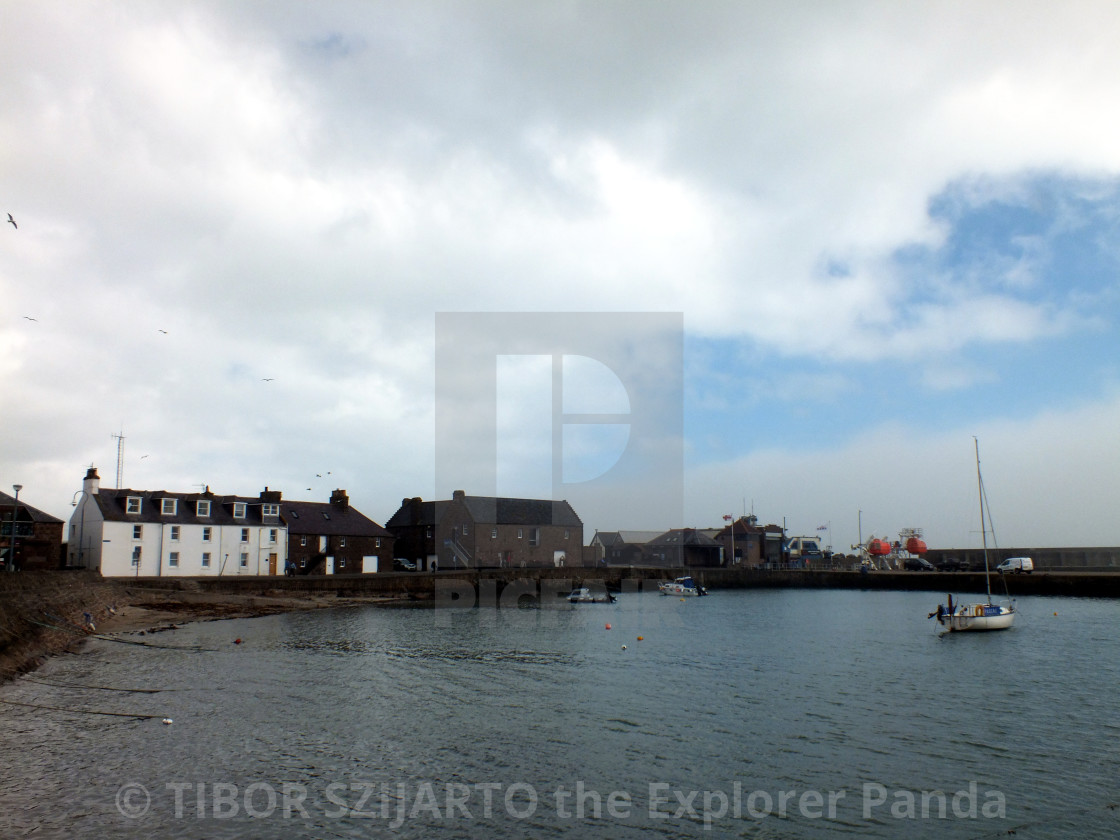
157	533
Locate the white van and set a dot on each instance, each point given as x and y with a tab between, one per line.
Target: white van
1016	565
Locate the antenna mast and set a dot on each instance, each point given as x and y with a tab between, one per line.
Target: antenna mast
119	438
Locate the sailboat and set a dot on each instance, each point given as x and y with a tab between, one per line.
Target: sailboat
985	616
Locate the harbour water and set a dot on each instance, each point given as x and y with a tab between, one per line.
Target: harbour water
776	713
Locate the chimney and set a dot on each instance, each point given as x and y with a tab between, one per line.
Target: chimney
340	500
92	481
270	496
458	496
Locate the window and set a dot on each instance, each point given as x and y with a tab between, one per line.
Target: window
175	533
303	540
169	507
326	515
136	556
294	514
238	510
465	530
273	534
244	535
342	562
377	542
202	508
342	542
429	534
244	560
270	510
534	536
493	533
133	504
566	534
138	532
206	532
206	560
519	533
173	560
303	562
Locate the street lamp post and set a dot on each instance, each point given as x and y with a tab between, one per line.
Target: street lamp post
12	541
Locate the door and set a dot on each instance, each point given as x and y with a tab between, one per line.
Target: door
272	563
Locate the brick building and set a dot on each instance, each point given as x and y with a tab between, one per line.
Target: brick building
38	535
487	531
334	538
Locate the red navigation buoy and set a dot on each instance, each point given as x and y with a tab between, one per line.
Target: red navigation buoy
237	641
608	627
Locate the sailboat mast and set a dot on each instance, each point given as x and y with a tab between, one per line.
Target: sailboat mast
983	524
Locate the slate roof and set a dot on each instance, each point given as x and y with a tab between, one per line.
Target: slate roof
27	513
684	536
112	504
326	519
499	511
489	510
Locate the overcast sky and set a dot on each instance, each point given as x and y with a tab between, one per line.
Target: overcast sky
889	227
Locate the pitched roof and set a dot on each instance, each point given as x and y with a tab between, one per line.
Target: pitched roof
490	510
26	512
684	536
501	511
326	519
113	506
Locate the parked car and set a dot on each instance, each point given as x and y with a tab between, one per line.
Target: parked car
918	564
404	566
1016	565
951	564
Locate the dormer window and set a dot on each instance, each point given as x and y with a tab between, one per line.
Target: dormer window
169	507
270	510
238	510
202	507
133	504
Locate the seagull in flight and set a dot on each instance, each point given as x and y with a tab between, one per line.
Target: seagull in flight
164	332
142	457
12	222
29	318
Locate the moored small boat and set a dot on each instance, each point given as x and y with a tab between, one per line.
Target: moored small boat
584	595
684	586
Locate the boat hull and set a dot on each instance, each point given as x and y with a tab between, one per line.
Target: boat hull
978	617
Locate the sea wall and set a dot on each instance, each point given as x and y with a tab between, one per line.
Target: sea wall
423	586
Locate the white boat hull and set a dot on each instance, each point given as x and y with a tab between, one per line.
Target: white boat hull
684	587
976	617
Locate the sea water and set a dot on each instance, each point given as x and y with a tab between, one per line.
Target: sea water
764	713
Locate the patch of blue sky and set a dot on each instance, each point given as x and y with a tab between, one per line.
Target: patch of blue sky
1047	247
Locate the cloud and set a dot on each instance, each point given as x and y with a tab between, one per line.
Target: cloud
843	202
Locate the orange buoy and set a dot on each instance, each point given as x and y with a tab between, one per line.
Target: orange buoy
237	641
641	638
608	627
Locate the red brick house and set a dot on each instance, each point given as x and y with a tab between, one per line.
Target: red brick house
38	535
334	538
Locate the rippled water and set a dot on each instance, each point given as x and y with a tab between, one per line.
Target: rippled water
795	713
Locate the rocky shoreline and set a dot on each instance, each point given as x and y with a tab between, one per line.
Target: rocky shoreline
44	614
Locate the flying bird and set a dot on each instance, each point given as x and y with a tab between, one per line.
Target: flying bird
12	222
29	318
164	332
267	379
142	457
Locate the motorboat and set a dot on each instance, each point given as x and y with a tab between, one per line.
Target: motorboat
584	595
684	586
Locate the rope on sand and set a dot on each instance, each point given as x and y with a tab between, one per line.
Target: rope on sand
136	716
